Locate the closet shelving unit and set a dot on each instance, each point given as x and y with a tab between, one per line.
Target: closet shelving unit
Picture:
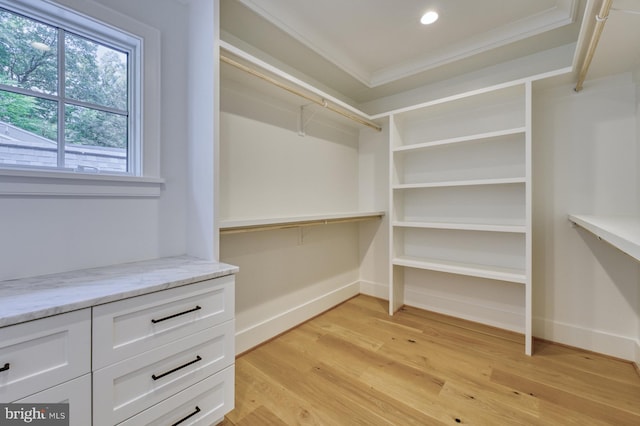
461	195
253	74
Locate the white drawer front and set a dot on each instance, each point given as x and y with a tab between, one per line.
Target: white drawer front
204	403
129	327
40	354
122	390
76	392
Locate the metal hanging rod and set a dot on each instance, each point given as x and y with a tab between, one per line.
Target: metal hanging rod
601	19
315	99
297	223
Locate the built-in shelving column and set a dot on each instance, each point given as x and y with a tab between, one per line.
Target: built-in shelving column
460	206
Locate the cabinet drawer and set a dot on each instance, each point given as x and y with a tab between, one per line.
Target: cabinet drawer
77	393
132	326
123	389
204	403
39	354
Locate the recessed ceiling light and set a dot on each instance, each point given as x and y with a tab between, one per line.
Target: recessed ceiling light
429	18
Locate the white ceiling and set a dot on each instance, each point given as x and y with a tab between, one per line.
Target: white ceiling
367	49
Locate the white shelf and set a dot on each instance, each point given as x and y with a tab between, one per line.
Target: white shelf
519	229
262	76
481	271
261	224
473	182
470	138
461	201
622	232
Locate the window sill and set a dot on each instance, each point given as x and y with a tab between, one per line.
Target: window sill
68	184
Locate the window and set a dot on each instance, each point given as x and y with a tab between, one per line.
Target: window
69	92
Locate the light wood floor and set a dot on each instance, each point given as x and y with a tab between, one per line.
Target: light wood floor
355	365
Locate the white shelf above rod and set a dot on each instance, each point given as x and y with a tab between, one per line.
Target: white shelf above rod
316	99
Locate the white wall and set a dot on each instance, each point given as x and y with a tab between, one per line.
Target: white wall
40	235
203	101
585	155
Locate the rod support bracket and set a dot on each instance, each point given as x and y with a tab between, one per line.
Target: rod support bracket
302	123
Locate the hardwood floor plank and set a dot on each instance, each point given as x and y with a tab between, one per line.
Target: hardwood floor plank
261	416
323	397
393	410
254	388
355	365
602	365
574	401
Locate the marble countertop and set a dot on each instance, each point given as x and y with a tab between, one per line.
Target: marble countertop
27	299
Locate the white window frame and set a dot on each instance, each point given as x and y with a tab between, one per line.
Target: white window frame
103	25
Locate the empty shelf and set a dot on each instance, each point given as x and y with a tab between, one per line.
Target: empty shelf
622	232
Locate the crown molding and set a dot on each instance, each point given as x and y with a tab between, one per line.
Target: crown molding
563	13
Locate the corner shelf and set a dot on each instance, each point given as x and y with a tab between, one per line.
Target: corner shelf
622	232
264	224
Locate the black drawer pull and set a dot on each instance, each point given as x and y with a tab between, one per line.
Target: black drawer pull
197	308
6	367
196	411
154	377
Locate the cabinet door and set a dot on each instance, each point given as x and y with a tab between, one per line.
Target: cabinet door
76	392
37	355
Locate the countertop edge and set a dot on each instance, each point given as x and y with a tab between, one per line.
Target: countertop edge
85	290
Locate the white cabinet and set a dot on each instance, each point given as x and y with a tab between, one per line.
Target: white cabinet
145	343
38	355
76	393
149	348
461	205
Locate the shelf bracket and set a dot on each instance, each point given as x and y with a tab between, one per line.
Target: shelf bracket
302	123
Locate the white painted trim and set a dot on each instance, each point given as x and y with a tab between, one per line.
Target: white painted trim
284	19
15	182
434	302
455	95
379	290
287	319
592	340
562	13
637	358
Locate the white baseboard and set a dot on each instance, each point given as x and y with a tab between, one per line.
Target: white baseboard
489	315
379	290
584	338
283	321
592	340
